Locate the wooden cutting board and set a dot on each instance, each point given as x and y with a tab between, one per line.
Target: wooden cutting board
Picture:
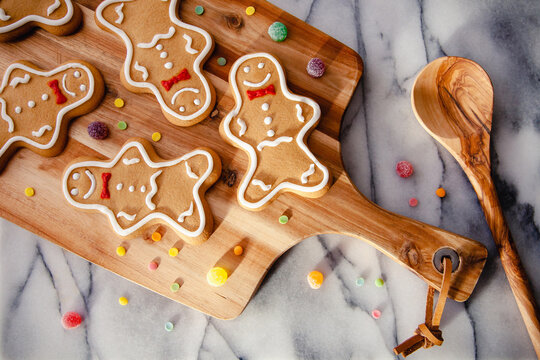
342	210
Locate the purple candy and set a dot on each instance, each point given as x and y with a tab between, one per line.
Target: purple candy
98	130
315	68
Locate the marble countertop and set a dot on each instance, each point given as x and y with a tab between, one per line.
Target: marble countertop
286	319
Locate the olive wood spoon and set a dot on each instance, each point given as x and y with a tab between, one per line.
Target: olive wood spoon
452	99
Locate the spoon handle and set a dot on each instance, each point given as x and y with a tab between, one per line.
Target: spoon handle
519	283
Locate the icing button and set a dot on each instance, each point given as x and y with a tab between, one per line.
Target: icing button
159	47
197	102
163	55
44	97
168	65
31	104
77	74
268	120
18	109
265	107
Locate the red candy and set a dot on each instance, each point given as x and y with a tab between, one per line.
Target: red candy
71	320
413	202
404	169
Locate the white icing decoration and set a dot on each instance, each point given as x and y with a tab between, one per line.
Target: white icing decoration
163	54
196	66
197	102
153	191
76	74
31	104
126	216
273	143
243	126
300	141
307	173
142	69
261	184
44	97
246	69
131	161
260	65
299	113
41	131
131	188
18	109
120	13
74	192
152	216
40	19
259	84
189	40
168	65
196	91
7	118
186	213
3	15
143	188
270	133
60	115
119	186
265	107
190	173
53	7
182	109
267	120
82	87
19	80
159	47
64	86
76	176
156	38
92	184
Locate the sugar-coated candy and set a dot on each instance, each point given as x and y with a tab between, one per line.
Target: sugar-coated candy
404	169
413	202
315	279
277	31
98	130
71	320
217	276
315	68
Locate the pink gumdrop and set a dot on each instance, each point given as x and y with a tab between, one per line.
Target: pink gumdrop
376	313
71	320
152	265
413	202
404	169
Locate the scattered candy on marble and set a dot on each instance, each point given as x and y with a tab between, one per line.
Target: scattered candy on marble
360	281
175	287
152	265
29	192
440	192
199	10
221	61
413	202
404	169
173	251
277	31
376	313
156	236
379	282
98	130
315	68
283	219
122	125
250	10
71	320
315	279
120	251
156	136
123	300
119	103
169	326
238	250
217	276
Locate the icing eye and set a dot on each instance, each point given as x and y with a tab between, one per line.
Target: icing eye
246	69
74	192
44	97
182	109
77	74
119	186
197	102
76	176
260	66
159	47
31	104
131	188
82	87
168	65
18	109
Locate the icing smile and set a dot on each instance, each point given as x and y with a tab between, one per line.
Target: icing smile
259	84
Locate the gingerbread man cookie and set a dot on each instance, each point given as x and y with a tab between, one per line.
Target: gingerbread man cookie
138	189
36	105
164	56
272	125
59	17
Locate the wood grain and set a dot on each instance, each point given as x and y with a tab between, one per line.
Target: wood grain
341	210
453	100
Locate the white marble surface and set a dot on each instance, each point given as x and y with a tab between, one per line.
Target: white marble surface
286	319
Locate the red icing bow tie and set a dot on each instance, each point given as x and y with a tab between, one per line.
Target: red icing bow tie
269	90
60	98
105	177
182	75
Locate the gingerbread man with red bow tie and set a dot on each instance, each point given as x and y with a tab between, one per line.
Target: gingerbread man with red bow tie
272	125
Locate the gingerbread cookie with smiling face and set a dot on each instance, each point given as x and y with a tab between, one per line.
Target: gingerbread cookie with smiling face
36	105
272	125
164	56
138	189
59	17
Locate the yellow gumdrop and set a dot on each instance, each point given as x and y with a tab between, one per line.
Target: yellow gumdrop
119	102
217	276
156	136
315	279
173	252
29	191
250	10
121	251
123	301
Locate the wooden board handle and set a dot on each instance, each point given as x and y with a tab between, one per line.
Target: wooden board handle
409	242
519	283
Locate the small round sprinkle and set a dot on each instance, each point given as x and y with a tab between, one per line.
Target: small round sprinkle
413	202
29	192
123	301
277	31
122	125
98	130
152	265
199	10
360	281
120	251
404	169
440	192
156	136
173	251
379	282
221	61
283	219
217	276
238	250
71	320
156	236
315	279
169	326
315	68
119	103
175	287
376	313
250	10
